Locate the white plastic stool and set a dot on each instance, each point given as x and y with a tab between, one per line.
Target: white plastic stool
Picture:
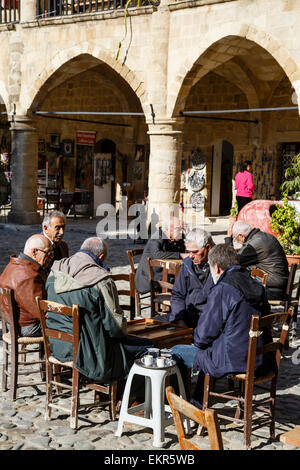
154	406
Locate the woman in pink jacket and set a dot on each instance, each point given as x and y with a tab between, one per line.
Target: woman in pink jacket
244	185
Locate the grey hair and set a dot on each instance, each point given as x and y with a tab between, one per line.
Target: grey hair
240	228
223	255
200	237
167	223
50	215
35	241
95	245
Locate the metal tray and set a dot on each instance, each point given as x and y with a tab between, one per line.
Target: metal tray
139	362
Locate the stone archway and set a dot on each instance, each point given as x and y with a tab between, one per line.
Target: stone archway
230	41
58	66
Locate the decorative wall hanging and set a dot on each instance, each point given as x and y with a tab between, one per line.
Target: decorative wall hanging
198	159
67	148
197	201
195	179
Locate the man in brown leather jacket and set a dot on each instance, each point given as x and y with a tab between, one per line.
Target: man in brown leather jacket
54	226
26	275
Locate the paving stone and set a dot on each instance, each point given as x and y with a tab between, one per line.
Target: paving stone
18	446
3	437
84	446
63	431
29	415
40	442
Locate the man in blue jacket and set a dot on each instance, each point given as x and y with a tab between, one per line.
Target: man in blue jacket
194	280
222	334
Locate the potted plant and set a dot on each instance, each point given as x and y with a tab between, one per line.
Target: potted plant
285	219
286	223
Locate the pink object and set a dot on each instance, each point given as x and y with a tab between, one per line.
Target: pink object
244	184
257	214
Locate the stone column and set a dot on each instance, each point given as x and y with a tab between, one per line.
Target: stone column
28	10
24	166
164	169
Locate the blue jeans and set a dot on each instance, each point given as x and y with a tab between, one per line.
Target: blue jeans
185	354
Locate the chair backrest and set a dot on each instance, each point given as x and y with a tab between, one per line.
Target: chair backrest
259	275
257	326
168	267
59	309
129	292
131	254
207	418
9	312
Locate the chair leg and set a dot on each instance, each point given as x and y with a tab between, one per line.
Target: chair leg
43	364
272	408
5	367
207	384
75	400
14	371
49	390
113	399
248	418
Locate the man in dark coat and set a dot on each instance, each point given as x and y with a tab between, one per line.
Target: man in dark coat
166	243
54	226
194	280
221	337
264	251
104	349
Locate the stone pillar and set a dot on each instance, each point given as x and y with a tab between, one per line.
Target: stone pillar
28	10
164	169
24	166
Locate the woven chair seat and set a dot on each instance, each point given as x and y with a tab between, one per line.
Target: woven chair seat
264	378
23	339
56	361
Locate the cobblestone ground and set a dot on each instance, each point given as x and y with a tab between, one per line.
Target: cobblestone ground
22	423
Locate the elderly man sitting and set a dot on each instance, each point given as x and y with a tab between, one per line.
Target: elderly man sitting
54	226
26	276
264	251
193	282
104	349
166	243
222	334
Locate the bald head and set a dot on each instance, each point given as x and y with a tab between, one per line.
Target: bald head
172	228
40	249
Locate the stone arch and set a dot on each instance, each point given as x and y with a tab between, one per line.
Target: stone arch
222	46
28	98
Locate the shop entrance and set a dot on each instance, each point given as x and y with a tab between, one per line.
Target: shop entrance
104	173
221	188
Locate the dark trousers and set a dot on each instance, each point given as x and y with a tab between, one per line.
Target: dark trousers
242	201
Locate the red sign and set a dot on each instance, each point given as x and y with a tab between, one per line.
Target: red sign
85	137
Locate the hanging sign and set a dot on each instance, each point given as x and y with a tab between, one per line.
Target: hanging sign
85	137
195	180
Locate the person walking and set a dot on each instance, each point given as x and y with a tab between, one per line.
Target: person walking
244	184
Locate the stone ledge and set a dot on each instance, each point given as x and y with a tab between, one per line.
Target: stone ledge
8	27
83	17
179	5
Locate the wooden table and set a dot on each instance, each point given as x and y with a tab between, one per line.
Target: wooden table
165	335
291	437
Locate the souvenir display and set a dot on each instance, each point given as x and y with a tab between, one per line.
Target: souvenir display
195	180
198	159
197	201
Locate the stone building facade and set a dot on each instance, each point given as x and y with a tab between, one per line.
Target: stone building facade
176	57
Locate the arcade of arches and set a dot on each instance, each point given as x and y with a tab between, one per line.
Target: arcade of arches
131	151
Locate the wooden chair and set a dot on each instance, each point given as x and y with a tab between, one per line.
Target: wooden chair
207	418
259	275
52	197
129	278
161	290
142	301
291	299
15	346
78	380
248	381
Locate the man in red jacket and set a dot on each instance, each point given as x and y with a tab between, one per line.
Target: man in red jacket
26	275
